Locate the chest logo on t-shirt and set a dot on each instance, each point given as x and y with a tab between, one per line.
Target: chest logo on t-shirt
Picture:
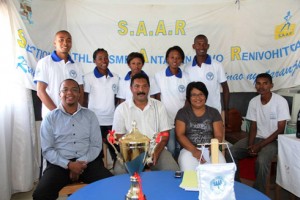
181	88
210	76
73	73
114	88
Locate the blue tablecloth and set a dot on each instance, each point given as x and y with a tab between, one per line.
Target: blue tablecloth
161	185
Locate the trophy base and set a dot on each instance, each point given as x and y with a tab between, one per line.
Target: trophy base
135	198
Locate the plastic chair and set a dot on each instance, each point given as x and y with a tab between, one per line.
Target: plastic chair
70	189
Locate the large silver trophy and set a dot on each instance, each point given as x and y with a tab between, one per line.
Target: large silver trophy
134	150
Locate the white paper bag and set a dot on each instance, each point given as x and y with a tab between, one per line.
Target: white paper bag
216	181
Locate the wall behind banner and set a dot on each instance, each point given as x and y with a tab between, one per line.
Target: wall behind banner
248	38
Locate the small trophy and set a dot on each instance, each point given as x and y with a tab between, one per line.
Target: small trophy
134	148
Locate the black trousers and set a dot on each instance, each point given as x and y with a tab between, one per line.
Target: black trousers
56	177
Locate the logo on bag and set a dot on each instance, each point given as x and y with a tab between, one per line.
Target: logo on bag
217	185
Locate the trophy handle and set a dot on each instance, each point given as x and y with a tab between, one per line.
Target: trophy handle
111	139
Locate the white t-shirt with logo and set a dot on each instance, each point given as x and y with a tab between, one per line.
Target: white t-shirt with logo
172	91
53	73
267	116
212	75
102	91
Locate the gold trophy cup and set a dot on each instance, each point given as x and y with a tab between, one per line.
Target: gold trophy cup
134	148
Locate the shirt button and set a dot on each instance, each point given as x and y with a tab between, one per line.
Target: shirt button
74	142
72	124
73	133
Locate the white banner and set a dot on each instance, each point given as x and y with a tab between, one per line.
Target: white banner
248	37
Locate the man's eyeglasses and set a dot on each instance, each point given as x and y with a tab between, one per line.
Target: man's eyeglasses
73	90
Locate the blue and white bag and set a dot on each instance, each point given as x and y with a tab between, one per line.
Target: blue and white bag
216	181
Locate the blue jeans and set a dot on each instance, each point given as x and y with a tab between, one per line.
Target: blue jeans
262	164
173	146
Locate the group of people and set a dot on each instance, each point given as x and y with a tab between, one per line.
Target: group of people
182	106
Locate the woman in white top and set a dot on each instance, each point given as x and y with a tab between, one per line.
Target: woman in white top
172	83
135	62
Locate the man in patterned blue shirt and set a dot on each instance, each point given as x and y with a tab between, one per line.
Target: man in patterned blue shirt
71	143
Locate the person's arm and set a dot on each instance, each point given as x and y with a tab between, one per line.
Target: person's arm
48	143
252	132
258	146
218	130
226	97
86	100
180	128
43	95
95	139
120	101
160	147
156	96
81	97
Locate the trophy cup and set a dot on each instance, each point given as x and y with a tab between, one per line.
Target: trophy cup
134	148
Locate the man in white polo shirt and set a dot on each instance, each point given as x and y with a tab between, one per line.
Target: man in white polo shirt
211	73
151	118
55	68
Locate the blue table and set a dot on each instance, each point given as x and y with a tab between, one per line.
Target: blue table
161	185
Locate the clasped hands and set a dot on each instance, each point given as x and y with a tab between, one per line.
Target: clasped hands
76	169
254	149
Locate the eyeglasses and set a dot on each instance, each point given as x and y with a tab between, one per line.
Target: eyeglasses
73	90
193	95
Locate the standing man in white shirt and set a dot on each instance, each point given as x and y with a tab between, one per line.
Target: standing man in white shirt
211	73
55	68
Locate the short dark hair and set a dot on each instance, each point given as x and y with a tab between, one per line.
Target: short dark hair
178	49
264	75
138	76
97	51
199	86
63	31
69	79
201	36
133	55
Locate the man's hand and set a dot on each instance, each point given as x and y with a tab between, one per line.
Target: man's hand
77	167
254	149
74	177
157	151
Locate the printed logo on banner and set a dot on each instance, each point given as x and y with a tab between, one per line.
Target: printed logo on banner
286	29
181	88
26	11
209	76
217	185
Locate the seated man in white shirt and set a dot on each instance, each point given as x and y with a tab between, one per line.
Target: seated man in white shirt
268	113
71	143
151	118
